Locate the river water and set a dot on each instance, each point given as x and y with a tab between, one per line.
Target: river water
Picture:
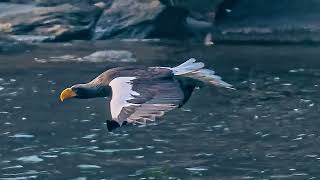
266	129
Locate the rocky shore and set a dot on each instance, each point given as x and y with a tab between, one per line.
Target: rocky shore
231	21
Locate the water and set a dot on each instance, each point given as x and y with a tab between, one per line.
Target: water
267	129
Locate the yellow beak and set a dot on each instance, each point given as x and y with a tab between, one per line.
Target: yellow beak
67	94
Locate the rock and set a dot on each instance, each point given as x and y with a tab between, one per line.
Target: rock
96	57
48	2
33	38
60	23
10	45
9	9
205	20
170	24
64	58
198	21
269	21
205	10
110	56
19	1
128	18
201	14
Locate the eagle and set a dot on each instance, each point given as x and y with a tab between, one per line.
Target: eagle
138	95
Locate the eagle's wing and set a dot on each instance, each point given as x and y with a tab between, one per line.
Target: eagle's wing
138	99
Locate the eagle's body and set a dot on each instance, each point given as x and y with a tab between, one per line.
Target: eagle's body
141	94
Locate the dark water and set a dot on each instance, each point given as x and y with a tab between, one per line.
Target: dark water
267	129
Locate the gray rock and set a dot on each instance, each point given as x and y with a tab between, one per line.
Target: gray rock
96	57
273	21
59	2
201	14
128	18
193	19
205	10
19	1
48	2
10	45
64	58
10	9
63	22
208	20
33	38
110	56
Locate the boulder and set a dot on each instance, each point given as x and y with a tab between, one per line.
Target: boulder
220	20
60	23
59	2
204	10
170	24
10	45
110	56
128	18
114	56
269	21
49	2
19	1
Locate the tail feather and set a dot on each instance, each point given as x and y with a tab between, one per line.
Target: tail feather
196	70
187	67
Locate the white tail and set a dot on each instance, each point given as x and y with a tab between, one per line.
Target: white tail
196	70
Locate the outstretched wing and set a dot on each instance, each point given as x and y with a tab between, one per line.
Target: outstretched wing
138	100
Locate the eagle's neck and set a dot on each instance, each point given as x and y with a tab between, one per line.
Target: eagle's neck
85	91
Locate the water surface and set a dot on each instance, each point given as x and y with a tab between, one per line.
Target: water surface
267	129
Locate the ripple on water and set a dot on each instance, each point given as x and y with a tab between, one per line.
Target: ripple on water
85	120
13	167
160	140
196	169
31	174
296	70
20	178
30	159
88	166
159	152
312	155
24	148
286	176
22	135
110	142
79	178
203	154
117	150
50	156
139	157
89	136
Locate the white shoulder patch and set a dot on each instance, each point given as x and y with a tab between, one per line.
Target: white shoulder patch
121	93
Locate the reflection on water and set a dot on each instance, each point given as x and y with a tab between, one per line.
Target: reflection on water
266	129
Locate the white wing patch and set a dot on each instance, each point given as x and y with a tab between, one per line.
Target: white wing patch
121	93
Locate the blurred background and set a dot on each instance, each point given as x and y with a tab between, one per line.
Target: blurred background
236	21
266	129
